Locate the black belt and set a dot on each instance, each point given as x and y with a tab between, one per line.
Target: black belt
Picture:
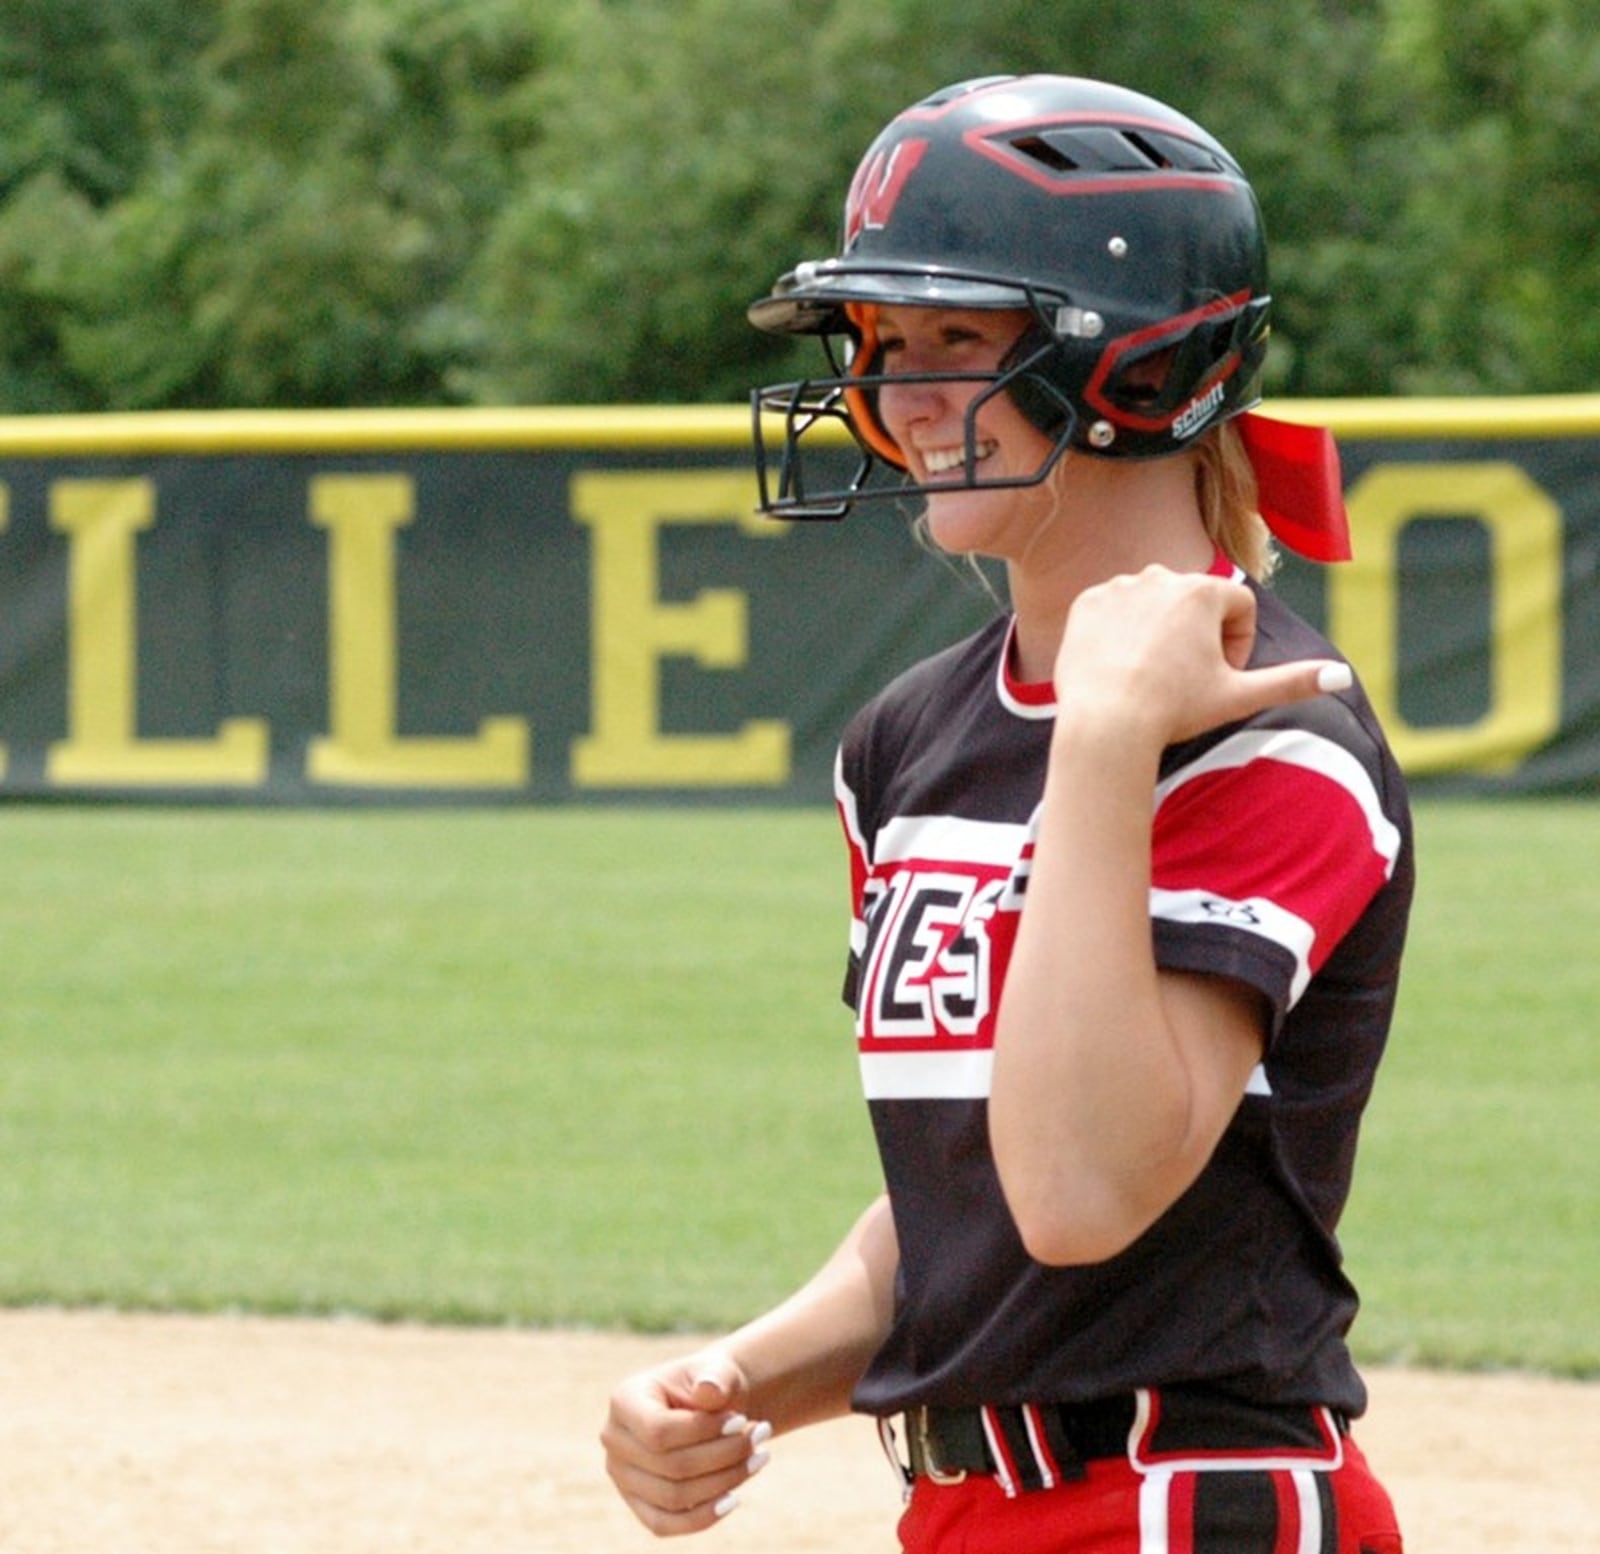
1054	1442
945	1443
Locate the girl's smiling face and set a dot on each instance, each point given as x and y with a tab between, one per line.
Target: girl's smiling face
928	421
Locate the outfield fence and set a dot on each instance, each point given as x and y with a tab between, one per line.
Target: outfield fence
556	605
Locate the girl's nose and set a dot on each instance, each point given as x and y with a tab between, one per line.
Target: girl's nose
903	396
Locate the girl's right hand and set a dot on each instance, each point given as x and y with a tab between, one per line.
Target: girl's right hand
678	1445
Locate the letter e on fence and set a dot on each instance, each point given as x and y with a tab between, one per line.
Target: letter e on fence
634	630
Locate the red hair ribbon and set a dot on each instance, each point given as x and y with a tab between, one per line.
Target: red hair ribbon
1301	494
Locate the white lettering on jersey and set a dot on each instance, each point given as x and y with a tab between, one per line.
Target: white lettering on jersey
928	969
930	958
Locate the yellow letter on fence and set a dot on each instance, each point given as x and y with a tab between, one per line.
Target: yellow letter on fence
101	518
1524	647
361	514
634	630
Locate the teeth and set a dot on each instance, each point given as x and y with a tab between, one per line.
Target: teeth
937	460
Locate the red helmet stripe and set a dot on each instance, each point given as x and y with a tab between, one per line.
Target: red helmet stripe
1174	329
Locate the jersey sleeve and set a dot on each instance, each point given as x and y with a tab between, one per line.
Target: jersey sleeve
1267	847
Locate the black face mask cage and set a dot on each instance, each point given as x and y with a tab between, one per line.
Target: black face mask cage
781	482
809	404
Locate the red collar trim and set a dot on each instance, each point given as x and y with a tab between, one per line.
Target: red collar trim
1026	698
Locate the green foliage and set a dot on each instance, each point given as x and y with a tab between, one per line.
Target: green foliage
1505	197
88	95
688	161
367	202
289	233
567	1065
683	152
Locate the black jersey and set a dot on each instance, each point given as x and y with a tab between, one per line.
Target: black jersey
1282	858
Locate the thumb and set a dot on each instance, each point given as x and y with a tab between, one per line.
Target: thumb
1316	677
1263	688
1334	676
716	1383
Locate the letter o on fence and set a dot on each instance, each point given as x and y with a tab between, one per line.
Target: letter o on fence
1525	537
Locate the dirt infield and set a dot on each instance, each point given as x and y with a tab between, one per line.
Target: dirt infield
164	1435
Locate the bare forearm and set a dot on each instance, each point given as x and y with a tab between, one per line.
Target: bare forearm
804	1357
1088	1090
682	1438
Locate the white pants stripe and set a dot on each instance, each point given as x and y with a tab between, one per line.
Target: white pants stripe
1305	1489
1155	1494
1155	1500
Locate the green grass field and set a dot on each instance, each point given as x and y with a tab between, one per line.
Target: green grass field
590	1066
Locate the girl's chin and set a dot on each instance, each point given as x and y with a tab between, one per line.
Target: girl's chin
964	521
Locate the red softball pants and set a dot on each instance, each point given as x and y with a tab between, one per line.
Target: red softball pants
1120	1509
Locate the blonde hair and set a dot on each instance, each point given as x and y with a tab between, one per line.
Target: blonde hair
1225	484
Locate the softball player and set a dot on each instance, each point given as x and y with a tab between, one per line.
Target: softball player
1131	872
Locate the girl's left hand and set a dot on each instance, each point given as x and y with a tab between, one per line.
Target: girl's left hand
1163	653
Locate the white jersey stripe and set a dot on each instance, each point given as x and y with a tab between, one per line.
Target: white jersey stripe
1035	711
850	817
953	1074
949	839
1297	747
957	1074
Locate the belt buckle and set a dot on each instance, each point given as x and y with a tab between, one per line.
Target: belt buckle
930	1462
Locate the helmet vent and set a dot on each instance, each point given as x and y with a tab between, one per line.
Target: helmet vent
1045	152
1105	149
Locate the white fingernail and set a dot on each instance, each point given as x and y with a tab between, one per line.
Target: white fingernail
736	1422
758	1460
729	1502
1335	677
761	1434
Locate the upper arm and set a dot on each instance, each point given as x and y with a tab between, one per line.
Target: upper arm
1219	1027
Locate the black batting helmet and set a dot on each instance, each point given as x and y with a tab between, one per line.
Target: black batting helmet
1127	231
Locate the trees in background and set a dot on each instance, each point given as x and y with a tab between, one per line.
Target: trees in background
371	202
252	202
